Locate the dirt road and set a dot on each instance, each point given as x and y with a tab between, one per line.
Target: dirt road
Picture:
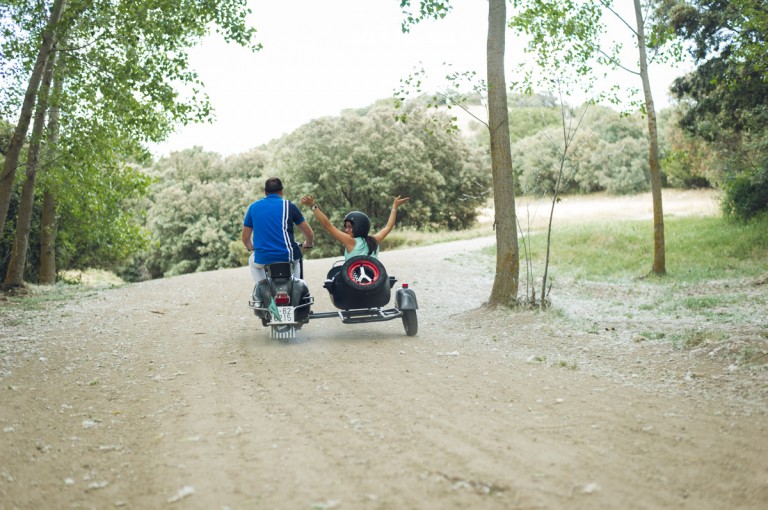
169	394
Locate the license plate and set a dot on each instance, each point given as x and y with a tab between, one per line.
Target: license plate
286	315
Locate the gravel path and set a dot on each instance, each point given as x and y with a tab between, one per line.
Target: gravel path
170	394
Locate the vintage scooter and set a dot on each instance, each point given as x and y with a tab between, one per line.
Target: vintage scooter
282	300
359	288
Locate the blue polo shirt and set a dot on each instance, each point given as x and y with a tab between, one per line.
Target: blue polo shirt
272	219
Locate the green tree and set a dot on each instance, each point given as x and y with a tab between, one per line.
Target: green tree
689	161
192	227
196	208
607	153
102	229
43	51
48	221
506	280
618	161
251	163
725	96
570	32
15	272
122	66
530	114
361	160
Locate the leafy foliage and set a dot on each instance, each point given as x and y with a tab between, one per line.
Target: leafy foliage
607	154
531	114
196	210
689	161
127	81
98	226
362	161
428	9
21	21
560	34
747	194
101	231
725	96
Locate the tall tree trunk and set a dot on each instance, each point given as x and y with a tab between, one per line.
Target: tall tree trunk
659	258
48	223
48	231
8	175
14	277
505	283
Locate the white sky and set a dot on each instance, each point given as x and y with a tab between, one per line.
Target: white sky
321	57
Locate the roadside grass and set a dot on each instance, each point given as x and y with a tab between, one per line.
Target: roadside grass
697	249
692	338
409	237
713	290
17	303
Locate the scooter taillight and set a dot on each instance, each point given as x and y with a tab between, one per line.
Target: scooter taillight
282	298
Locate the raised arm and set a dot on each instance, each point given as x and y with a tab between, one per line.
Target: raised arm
384	232
345	239
309	235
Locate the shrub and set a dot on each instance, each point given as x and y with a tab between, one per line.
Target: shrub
746	195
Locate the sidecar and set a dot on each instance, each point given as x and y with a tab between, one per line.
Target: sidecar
360	288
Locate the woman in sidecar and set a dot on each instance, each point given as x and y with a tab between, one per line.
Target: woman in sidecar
361	281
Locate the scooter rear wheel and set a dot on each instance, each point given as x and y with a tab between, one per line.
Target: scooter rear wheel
282	332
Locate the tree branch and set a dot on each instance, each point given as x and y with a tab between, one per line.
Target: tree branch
608	6
619	64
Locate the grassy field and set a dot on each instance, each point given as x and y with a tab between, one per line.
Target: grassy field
714	296
697	249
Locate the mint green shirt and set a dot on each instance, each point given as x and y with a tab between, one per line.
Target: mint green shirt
361	248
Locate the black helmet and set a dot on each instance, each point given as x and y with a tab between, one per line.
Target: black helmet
361	225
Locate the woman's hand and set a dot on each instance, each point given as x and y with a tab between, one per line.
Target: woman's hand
399	201
307	200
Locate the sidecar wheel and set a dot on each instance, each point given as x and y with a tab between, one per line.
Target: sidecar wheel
410	322
363	273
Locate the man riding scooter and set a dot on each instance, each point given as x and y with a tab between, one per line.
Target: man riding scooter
275	263
268	231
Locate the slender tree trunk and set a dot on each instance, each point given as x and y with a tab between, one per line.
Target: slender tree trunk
48	224
14	277
659	258
505	283
48	231
8	176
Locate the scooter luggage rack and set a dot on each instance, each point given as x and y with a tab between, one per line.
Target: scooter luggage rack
360	315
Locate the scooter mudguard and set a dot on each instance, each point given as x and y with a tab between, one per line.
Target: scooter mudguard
405	299
300	296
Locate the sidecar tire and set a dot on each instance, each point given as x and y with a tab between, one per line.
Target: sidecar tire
361	265
410	322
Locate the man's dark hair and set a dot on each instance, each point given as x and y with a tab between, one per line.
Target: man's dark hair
273	185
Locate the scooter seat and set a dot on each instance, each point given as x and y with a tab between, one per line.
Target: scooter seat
279	270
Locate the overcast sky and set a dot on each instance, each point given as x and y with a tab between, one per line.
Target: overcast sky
322	57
